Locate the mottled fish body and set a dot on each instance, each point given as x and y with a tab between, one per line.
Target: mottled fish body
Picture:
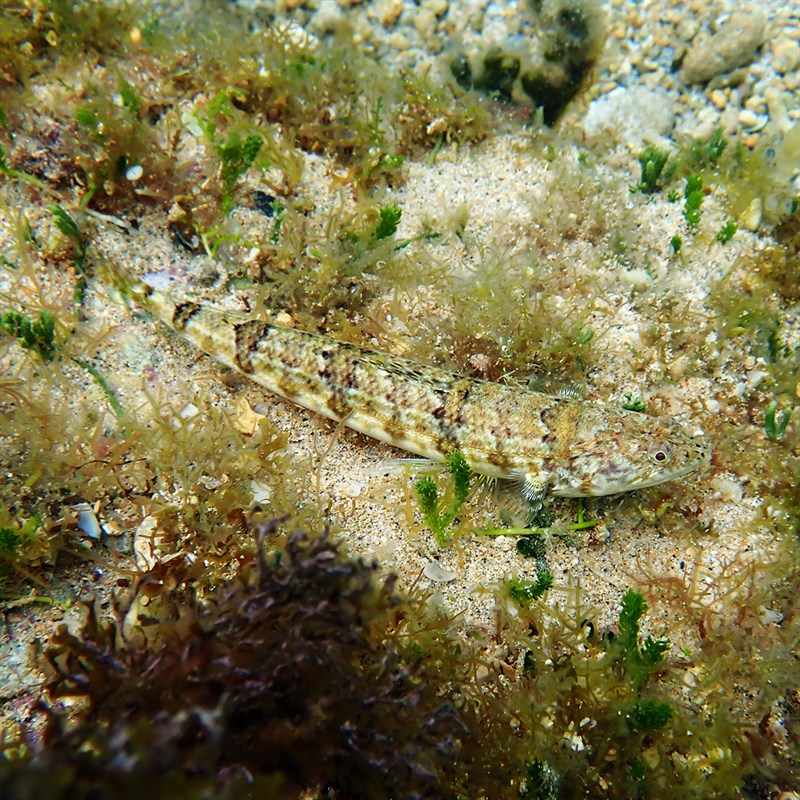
565	446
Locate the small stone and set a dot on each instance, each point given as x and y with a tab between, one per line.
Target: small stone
134	173
176	213
733	45
755	376
651	757
637	279
425	22
439	7
435	572
633	114
437	126
707	123
399	41
285	320
778	112
389	12
262	492
327	18
209	482
144	544
756	103
189	411
299	36
87	520
769	616
785	56
748	119
728	490
718	99
750	218
245	419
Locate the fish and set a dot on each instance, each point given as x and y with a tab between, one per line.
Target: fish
547	444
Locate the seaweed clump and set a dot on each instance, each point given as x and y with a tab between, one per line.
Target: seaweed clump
294	677
573	34
33	31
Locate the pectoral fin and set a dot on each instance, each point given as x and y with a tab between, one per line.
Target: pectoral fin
535	488
513	507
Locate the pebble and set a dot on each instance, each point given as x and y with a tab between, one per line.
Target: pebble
389	12
436	573
635	115
785	55
750	218
728	490
143	544
749	119
777	109
261	492
733	45
299	36
438	7
719	99
756	103
425	22
134	173
327	18
399	41
87	520
769	616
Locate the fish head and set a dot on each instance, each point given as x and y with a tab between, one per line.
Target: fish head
612	450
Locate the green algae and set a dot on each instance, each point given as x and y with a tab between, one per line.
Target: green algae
693	199
652	161
439	519
38	335
727	232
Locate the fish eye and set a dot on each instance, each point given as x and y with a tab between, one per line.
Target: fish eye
661	454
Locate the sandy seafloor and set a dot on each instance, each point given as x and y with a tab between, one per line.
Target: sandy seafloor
508	190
